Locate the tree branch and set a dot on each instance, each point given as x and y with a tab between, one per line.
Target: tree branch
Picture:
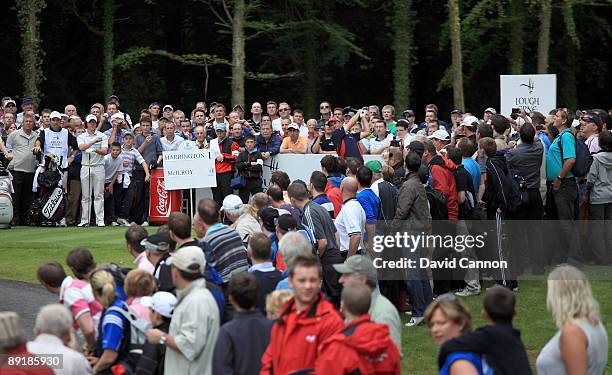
227	12
97	32
222	21
135	56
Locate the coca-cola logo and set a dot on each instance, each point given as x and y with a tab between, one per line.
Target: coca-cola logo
162	203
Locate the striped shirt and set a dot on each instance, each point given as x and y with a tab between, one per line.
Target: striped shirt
130	155
225	251
324	201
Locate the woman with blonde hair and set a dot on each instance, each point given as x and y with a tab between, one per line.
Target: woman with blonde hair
139	283
581	344
275	302
110	348
448	318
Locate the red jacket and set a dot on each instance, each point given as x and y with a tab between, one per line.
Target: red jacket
333	193
362	347
441	170
295	337
230	152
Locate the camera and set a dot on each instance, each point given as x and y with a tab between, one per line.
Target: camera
395	143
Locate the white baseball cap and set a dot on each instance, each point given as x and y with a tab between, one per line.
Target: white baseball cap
55	114
491	109
189	259
232	202
441	135
161	302
117	115
470	120
167	106
91	118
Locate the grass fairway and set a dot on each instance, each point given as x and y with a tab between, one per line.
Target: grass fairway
23	249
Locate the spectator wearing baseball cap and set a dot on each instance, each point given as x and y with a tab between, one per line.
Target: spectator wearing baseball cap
161	306
591	129
488	115
441	139
456	117
359	269
243	222
294	143
225	151
193	330
158	247
27	105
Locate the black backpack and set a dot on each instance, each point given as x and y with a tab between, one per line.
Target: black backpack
437	204
584	159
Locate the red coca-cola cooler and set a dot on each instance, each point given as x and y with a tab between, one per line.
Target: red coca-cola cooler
162	201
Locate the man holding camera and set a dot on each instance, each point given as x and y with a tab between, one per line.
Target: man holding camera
347	136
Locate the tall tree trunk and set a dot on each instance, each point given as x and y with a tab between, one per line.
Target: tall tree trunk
310	94
544	37
515	50
28	11
238	54
108	49
402	46
455	41
568	95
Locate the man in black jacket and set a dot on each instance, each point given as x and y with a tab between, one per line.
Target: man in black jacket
250	166
499	344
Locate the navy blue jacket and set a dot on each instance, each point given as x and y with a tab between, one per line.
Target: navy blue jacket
272	145
241	344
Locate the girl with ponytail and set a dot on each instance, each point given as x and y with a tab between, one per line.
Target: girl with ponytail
111	333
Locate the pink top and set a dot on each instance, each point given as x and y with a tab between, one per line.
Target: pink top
78	297
141	311
143	263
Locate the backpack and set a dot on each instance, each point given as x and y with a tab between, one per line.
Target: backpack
584	159
437	204
119	274
134	338
214	282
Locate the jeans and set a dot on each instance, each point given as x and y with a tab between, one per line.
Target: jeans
566	204
528	233
420	296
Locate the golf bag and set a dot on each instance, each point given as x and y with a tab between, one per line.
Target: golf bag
6	201
50	205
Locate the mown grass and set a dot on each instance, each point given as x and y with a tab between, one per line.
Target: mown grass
23	249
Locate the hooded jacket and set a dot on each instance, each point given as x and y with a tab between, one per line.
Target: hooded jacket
443	180
498	185
295	337
599	178
362	347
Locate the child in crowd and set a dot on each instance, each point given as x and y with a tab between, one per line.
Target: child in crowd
113	164
129	155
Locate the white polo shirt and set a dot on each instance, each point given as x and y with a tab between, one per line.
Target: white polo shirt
90	157
171	146
351	221
112	166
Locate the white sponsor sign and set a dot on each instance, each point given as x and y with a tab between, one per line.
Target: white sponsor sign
188	169
296	166
532	92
